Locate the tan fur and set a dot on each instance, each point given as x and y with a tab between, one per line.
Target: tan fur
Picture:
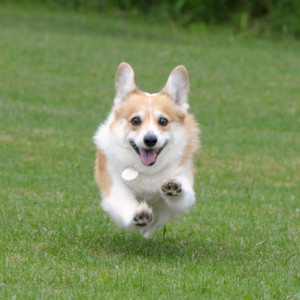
135	102
138	101
192	129
102	176
165	104
193	144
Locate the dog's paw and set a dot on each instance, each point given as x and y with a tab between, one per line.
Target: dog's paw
143	216
171	187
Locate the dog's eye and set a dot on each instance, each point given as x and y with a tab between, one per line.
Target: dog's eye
136	121
163	121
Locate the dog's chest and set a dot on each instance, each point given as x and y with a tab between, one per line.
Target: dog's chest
152	182
145	184
147	187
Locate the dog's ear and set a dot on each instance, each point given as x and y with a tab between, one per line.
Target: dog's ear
178	86
124	82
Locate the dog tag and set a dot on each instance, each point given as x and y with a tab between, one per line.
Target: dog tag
129	174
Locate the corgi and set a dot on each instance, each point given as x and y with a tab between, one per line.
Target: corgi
144	165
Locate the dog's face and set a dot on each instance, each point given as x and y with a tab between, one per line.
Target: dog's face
148	123
151	125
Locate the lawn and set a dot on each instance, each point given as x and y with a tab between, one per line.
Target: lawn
240	241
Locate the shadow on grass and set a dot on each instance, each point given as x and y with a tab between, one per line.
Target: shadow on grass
188	248
152	248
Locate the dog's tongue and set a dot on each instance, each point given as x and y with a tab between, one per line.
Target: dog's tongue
148	156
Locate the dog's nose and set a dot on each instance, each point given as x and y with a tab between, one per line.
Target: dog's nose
150	140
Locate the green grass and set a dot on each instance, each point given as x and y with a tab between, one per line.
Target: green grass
241	240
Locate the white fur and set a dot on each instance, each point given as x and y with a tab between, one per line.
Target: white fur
127	198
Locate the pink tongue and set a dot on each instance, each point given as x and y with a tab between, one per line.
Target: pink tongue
147	156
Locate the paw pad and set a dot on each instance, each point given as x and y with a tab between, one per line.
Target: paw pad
171	187
143	217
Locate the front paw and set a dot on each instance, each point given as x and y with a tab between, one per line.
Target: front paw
171	187
143	216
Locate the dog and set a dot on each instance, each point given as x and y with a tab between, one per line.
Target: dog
144	164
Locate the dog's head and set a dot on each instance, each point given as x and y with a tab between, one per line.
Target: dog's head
151	125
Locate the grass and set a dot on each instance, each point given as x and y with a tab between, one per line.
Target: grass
241	240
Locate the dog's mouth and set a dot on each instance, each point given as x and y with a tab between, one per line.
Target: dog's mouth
148	156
